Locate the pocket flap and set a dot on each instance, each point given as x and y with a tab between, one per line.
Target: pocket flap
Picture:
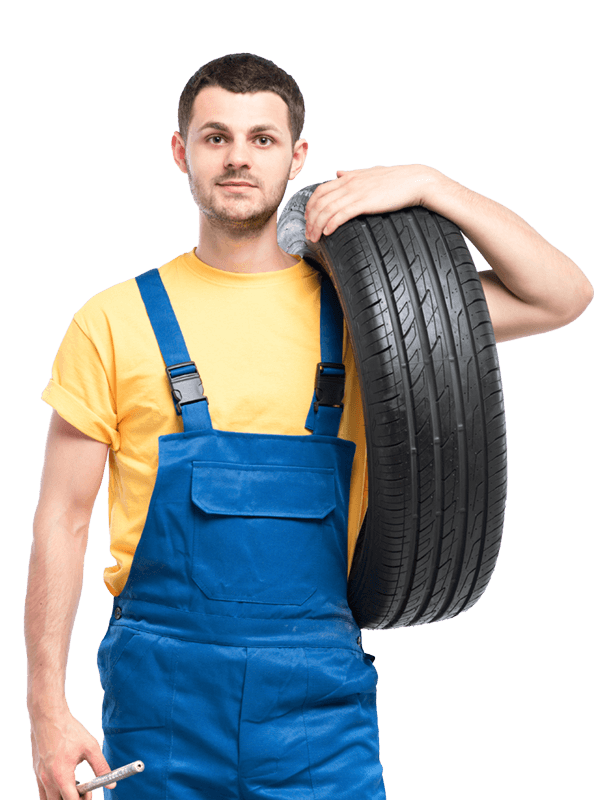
263	490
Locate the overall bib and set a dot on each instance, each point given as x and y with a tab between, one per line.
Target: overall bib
232	665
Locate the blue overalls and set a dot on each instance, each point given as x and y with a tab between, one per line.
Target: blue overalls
232	665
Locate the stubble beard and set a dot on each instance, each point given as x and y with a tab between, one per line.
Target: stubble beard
236	224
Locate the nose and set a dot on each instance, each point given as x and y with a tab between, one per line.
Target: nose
238	155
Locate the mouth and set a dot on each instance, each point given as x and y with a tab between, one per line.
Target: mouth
237	184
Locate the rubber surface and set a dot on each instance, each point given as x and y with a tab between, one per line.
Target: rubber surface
433	407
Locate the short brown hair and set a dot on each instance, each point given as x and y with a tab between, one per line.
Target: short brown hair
241	73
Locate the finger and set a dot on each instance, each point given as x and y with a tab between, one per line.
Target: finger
59	785
326	201
95	758
323	209
98	763
320	193
338	211
41	790
88	795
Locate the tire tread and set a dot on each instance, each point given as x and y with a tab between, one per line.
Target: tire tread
434	414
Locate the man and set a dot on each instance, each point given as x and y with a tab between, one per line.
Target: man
231	665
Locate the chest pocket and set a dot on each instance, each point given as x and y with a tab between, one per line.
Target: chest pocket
258	530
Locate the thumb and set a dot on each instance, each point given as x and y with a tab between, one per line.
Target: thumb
99	764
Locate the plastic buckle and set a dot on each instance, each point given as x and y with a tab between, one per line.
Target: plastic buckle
329	389
186	388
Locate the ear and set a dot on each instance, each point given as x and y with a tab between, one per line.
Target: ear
298	157
178	148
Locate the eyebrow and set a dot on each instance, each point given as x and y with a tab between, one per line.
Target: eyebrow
219	126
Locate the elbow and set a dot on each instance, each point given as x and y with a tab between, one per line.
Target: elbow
581	299
589	294
571	306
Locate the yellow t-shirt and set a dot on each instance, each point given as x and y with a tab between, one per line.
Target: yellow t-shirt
255	339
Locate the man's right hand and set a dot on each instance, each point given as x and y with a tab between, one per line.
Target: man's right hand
58	744
72	475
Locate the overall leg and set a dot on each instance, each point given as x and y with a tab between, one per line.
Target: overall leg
137	672
206	712
341	725
174	705
308	728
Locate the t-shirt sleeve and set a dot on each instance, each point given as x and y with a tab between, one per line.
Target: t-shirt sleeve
80	390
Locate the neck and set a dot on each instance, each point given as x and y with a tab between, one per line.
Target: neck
242	251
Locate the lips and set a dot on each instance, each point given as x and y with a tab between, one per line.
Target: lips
237	183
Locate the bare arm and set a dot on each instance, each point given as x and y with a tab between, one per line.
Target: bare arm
72	474
531	288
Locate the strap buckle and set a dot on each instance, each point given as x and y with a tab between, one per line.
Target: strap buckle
329	389
187	387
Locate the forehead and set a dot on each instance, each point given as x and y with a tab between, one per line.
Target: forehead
239	112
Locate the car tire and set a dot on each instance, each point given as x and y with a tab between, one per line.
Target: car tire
433	407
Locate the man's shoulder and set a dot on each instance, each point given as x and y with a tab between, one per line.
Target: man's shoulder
118	304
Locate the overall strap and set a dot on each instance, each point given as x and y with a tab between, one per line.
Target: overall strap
326	406
188	395
186	387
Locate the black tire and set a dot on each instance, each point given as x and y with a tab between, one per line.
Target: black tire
433	407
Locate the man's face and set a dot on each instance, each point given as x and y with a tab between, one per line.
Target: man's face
239	156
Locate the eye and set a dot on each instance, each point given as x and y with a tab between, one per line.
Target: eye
214	138
264	140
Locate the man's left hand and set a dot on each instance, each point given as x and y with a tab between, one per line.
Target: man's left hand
367	191
531	288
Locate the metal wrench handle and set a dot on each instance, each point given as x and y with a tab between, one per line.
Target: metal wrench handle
110	777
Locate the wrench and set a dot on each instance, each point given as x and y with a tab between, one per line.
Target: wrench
110	777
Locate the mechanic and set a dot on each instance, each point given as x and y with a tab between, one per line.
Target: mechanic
232	665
